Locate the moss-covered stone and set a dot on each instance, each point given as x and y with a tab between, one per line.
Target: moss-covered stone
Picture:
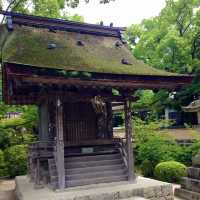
29	46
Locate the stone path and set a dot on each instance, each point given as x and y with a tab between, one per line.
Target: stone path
7	190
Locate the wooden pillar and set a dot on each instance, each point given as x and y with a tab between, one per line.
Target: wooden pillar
128	130
43	121
59	153
109	120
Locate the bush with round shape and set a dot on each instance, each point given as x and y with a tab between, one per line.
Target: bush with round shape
170	171
16	160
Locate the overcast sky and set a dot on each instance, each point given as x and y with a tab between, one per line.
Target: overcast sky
120	12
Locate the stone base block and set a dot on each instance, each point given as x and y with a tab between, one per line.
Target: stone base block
186	194
191	184
193	172
142	187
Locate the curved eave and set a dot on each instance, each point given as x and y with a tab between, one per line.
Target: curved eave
194	109
23	78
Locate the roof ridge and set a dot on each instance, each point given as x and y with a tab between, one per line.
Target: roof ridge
61	24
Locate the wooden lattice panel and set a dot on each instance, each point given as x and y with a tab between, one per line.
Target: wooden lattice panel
79	122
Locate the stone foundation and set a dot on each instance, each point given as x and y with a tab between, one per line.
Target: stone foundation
190	186
142	187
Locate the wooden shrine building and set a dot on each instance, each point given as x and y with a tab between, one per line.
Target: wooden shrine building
194	107
70	70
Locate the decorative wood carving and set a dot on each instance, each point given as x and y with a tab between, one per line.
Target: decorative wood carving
101	110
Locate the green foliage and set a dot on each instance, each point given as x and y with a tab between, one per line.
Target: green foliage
152	147
147	168
16	160
49	8
3	169
170	171
145	99
76	18
157	149
147	130
5	137
171	41
1	4
195	148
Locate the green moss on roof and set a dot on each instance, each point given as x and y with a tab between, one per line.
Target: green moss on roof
29	46
3	35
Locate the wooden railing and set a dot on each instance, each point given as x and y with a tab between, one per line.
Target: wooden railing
123	151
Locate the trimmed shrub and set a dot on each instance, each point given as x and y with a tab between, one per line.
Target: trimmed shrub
170	171
16	160
3	171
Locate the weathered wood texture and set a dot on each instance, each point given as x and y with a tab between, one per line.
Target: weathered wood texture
109	120
25	87
59	153
128	129
62	25
43	121
79	122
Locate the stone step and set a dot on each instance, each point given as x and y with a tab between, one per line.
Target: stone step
92	175
83	164
92	158
193	172
96	180
92	169
186	194
190	184
96	174
135	198
92	163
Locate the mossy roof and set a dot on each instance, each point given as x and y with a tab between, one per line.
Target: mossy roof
28	45
193	106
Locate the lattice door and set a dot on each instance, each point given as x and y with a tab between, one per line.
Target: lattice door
79	122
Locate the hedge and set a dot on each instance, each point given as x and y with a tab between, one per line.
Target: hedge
16	160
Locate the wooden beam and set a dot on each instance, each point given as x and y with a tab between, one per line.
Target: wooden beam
128	130
67	96
59	154
99	83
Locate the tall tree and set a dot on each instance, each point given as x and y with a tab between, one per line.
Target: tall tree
171	41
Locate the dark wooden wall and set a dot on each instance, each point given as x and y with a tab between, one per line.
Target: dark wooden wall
80	122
